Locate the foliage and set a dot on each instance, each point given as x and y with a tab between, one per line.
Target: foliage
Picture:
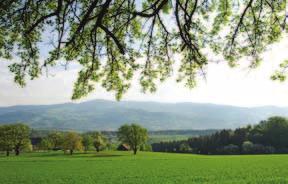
185	148
247	147
20	137
45	144
56	139
170	146
145	147
6	138
250	148
134	135
72	141
107	37
229	149
87	141
272	132
14	137
99	140
269	136
111	146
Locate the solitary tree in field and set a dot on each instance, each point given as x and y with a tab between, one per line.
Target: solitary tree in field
99	140
14	137
72	141
134	135
20	137
106	37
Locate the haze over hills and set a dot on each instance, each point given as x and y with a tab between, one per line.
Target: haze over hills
109	115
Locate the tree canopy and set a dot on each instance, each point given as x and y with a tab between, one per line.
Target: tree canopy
269	136
72	141
14	137
134	135
56	139
107	38
99	140
6	143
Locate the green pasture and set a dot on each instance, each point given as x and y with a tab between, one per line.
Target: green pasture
144	168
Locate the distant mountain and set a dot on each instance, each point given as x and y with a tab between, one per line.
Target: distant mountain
109	115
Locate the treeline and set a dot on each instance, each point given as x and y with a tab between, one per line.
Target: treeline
183	132
73	141
269	136
19	137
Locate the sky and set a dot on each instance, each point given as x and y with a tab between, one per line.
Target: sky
239	86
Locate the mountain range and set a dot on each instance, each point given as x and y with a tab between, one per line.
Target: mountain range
109	115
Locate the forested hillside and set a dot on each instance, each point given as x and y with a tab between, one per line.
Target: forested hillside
109	115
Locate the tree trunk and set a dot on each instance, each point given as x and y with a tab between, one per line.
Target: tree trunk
135	151
71	152
7	153
17	151
97	149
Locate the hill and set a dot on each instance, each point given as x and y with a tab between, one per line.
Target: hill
109	115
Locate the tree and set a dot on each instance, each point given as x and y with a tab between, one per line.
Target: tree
134	135
20	137
45	144
99	140
107	37
6	139
247	147
185	148
230	149
146	147
56	140
87	141
72	141
239	136
274	132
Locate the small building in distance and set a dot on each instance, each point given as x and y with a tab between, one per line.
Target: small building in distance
123	147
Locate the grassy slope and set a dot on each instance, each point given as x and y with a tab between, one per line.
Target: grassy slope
148	168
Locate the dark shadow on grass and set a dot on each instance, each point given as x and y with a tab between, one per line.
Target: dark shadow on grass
109	155
100	155
75	155
45	154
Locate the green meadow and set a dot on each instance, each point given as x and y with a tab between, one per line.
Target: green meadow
145	167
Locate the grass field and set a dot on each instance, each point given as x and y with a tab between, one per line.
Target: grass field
148	168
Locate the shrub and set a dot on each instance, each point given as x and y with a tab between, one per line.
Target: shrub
247	147
146	147
230	149
250	148
185	148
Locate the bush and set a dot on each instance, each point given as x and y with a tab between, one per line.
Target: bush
250	148
247	147
185	148
146	147
230	149
111	146
282	150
